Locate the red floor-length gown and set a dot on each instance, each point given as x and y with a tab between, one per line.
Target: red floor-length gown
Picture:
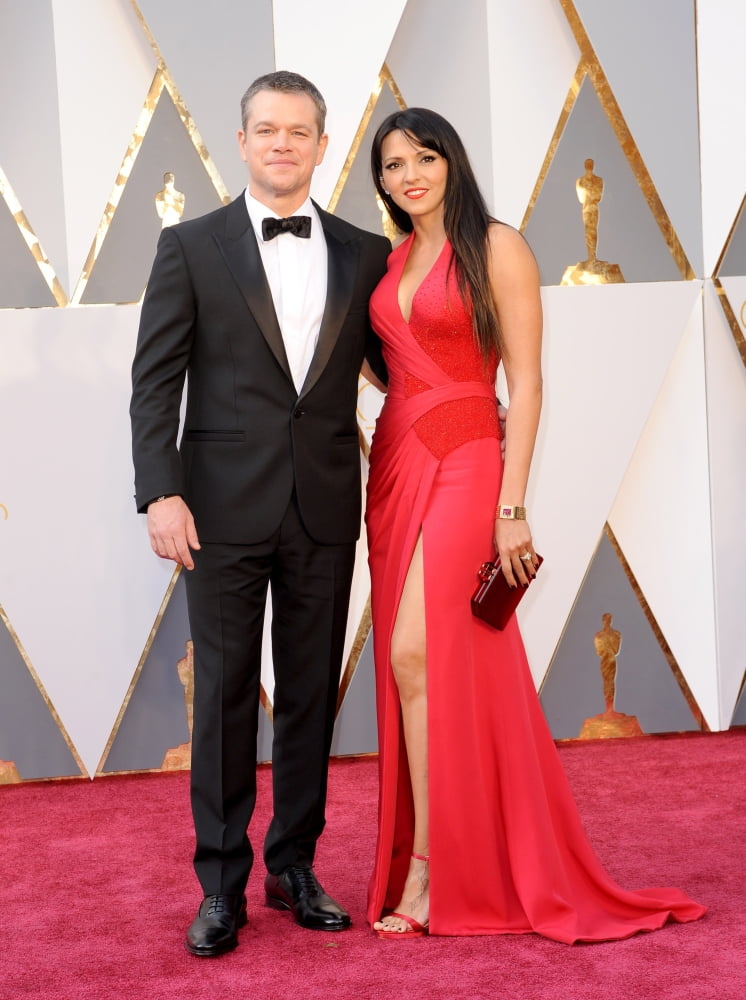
507	847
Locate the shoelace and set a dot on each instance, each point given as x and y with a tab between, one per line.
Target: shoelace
307	881
217	905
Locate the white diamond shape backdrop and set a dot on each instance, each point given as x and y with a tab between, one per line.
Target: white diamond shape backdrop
606	354
661	517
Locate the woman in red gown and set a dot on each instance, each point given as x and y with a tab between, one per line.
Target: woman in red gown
478	832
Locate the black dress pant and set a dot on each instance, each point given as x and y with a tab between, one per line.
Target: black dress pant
226	595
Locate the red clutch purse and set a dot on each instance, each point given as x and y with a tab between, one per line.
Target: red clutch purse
494	601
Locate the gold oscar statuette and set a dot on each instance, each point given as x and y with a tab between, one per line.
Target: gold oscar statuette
169	203
180	758
590	190
610	723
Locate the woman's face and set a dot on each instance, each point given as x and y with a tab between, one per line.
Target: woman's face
414	176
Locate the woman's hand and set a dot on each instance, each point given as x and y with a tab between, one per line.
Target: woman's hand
516	551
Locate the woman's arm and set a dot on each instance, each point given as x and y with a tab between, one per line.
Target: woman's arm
514	276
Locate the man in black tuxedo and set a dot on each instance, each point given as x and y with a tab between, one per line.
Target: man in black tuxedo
267	315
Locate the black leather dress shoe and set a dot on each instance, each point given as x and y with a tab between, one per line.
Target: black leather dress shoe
298	889
215	928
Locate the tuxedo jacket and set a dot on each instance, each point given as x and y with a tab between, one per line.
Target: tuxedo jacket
249	437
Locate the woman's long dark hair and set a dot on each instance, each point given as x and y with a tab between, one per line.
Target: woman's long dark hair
466	216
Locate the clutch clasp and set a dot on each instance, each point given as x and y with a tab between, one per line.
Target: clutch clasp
486	571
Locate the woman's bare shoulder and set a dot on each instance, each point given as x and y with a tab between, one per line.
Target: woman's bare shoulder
509	248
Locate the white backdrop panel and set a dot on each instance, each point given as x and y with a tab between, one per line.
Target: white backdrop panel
661	518
735	289
342	52
440	60
533	58
104	69
606	352
726	414
721	31
77	577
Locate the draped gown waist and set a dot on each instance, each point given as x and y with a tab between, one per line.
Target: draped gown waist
400	412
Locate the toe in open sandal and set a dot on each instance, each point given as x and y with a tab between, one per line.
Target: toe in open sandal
416	929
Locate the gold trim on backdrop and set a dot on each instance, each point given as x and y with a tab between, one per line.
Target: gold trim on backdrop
32	241
42	691
730	312
590	65
138	670
732	319
362	385
384	77
184	114
179	758
665	648
729	238
143	123
266	703
364	446
363	630
738	699
161	81
572	96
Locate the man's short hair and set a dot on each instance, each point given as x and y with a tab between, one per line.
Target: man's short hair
287	83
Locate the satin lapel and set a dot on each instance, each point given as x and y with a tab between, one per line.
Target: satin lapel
241	253
342	266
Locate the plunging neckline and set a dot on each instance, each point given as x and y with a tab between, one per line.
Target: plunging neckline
424	278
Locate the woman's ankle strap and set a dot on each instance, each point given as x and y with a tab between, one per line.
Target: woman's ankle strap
421	857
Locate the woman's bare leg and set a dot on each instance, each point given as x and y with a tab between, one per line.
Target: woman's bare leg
409	665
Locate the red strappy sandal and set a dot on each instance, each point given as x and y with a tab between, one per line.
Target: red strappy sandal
416	929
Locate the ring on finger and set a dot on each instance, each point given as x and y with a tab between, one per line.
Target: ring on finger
525	556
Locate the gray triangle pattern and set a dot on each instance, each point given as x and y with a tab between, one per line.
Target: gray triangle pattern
355	731
645	686
22	285
648	54
734	259
357	202
122	266
628	234
739	716
155	719
29	735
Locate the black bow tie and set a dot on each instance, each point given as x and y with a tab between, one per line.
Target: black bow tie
298	225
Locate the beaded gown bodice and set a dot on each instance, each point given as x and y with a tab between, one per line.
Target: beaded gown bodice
441	327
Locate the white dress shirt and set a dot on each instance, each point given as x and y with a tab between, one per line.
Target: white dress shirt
296	270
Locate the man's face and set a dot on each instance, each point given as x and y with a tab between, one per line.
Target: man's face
281	146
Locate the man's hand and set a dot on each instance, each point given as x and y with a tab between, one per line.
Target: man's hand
502	416
172	532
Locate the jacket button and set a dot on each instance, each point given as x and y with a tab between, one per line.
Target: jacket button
298	413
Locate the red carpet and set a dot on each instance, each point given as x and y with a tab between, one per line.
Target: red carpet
98	891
